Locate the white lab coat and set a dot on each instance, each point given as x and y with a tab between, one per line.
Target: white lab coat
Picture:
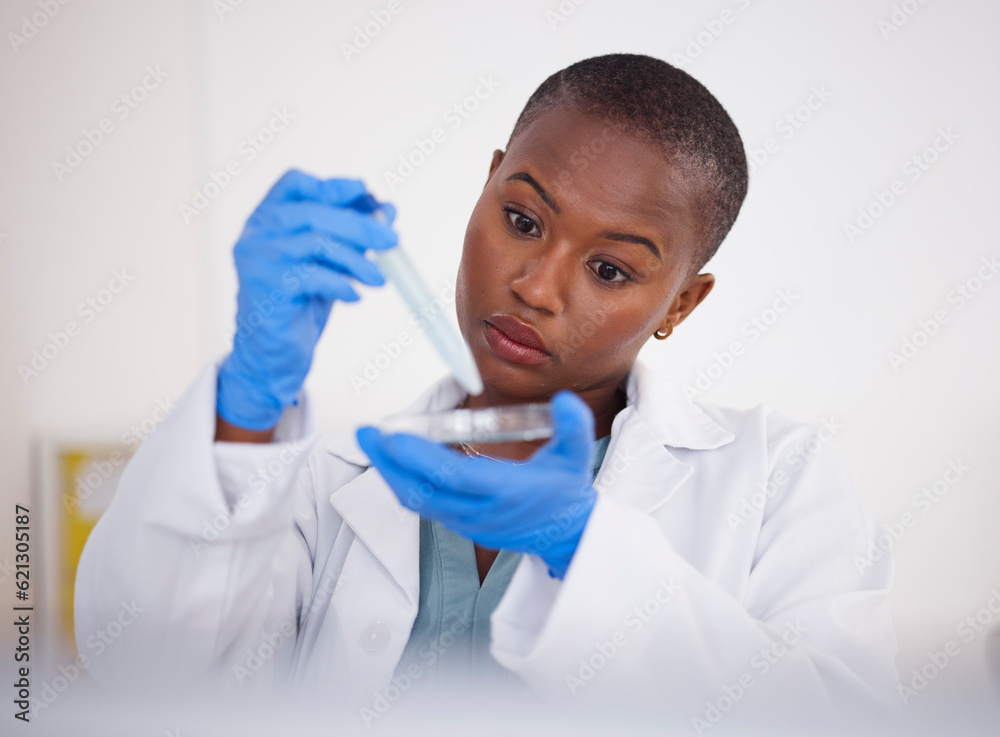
721	561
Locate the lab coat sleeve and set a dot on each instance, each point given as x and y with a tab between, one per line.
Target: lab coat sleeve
634	622
199	559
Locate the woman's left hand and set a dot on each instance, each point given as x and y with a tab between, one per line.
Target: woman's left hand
539	507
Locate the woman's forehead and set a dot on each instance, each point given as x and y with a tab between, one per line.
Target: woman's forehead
585	163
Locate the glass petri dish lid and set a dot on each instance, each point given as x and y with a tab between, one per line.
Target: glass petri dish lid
488	425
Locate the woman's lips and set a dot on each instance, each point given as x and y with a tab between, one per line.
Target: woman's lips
515	341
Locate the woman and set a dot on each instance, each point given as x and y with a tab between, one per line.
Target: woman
656	550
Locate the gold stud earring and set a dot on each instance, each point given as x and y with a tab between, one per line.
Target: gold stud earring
670	329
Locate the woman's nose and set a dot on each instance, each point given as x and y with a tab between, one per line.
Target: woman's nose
542	281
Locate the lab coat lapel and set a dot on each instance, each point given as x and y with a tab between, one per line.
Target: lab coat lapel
388	529
639	468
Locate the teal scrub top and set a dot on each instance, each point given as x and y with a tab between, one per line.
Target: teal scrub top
450	638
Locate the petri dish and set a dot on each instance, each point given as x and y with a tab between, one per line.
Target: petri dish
488	425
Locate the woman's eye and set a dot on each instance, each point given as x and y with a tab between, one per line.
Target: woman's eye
521	222
611	273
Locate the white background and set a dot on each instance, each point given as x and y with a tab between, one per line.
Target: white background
827	357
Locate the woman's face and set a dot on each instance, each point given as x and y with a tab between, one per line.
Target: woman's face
580	247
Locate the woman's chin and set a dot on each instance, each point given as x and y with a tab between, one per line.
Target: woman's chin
515	383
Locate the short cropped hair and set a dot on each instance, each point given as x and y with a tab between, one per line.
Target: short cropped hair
661	105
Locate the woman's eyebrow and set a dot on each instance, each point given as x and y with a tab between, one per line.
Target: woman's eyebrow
629	238
524	176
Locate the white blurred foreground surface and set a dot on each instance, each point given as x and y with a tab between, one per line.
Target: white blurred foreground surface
86	711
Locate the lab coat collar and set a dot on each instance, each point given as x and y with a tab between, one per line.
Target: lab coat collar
638	469
671	418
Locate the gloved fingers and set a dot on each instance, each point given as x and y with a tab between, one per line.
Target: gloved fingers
367	203
509	518
572	441
285	258
534	497
292	280
340	191
414	491
447	468
573	419
390	211
351	261
342	224
288	262
439	466
348	260
296	185
327	284
454	511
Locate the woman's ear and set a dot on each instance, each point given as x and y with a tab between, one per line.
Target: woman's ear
692	293
494	165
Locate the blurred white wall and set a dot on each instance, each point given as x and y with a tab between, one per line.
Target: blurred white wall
102	286
883	84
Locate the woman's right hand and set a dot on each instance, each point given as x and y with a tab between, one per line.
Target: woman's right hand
297	255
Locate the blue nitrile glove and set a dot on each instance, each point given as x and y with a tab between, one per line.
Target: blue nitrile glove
297	255
540	507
